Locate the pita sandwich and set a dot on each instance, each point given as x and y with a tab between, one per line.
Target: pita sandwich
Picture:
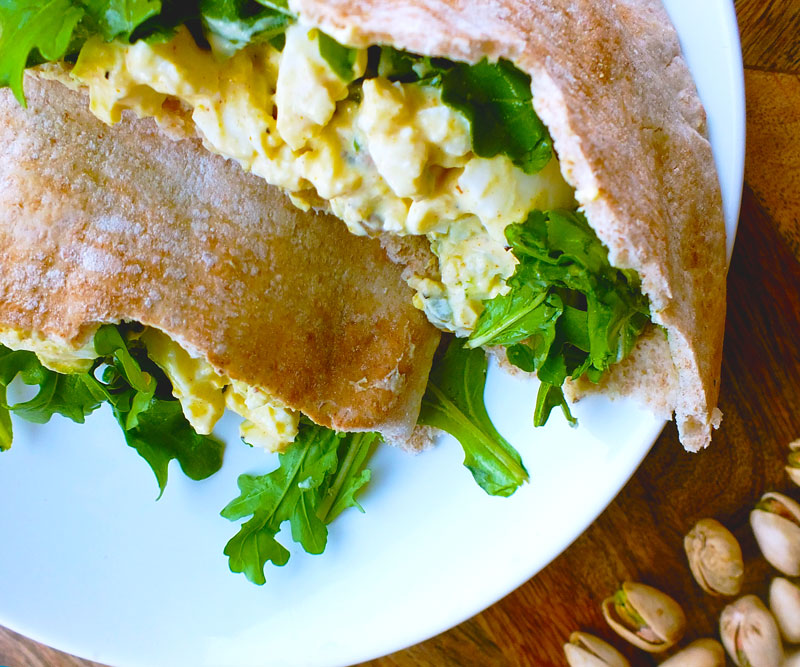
494	129
106	225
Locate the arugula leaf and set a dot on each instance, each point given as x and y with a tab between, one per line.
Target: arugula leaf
495	98
6	428
548	397
108	343
73	396
151	419
340	490
119	18
237	23
31	29
510	318
154	426
454	403
341	59
596	312
318	476
162	433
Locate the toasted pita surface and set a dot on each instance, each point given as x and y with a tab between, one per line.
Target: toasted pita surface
105	224
610	83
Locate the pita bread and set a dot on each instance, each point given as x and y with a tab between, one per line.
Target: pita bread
103	224
611	85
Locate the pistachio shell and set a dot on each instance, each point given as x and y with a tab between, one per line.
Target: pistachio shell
750	634
793	469
663	620
793	660
585	650
715	558
784	601
700	653
778	536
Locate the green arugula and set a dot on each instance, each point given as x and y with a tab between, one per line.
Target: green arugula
141	400
117	19
495	98
319	475
151	419
453	402
162	434
237	23
341	59
34	31
30	29
569	312
73	396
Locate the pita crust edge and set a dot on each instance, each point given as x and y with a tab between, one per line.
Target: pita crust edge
610	83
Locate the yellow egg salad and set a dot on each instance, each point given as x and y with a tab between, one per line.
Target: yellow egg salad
384	156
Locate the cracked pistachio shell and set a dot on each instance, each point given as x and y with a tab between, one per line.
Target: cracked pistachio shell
776	526
715	558
793	469
784	602
585	650
700	653
645	617
750	634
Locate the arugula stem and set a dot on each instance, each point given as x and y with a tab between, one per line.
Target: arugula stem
341	476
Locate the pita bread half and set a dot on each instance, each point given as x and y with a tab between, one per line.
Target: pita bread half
610	83
103	224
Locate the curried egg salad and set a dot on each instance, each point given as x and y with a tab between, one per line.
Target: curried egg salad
384	155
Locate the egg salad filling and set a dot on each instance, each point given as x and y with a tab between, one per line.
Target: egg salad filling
204	394
383	155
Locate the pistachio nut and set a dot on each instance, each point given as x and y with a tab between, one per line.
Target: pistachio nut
585	650
715	558
644	616
776	525
750	634
700	653
784	602
793	660
793	467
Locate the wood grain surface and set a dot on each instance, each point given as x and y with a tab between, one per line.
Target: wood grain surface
639	537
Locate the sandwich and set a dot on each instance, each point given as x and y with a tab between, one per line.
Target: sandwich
540	171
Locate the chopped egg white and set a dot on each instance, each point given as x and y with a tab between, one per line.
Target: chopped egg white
59	356
195	383
267	422
204	393
385	157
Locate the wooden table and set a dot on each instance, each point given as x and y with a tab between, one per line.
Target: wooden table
639	537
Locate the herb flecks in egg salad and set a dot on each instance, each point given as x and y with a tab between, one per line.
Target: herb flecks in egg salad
390	142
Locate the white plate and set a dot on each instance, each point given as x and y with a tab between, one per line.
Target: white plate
92	565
